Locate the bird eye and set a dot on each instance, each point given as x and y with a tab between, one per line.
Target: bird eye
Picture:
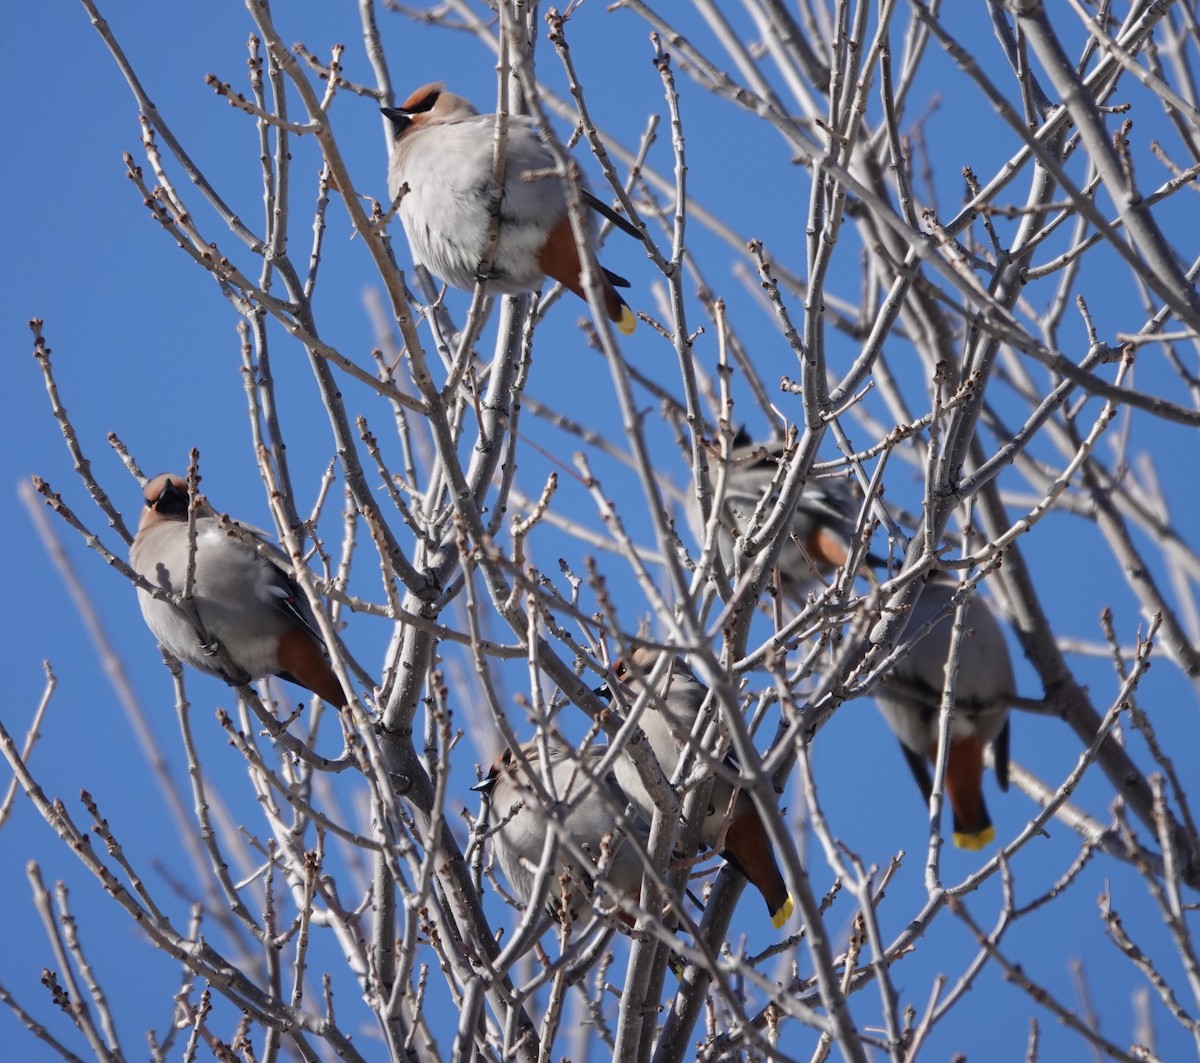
424	104
619	668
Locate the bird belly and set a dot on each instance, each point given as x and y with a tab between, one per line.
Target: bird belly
911	720
449	236
631	782
722	805
176	633
665	750
515	862
253	648
915	722
519	851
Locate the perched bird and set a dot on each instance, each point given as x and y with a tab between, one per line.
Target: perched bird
587	816
910	697
243	599
823	523
443	154
732	822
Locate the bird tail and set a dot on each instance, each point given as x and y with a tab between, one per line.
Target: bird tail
783	913
618	310
748	849
973	840
964	787
303	661
621	314
559	259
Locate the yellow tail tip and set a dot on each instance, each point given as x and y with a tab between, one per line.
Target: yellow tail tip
975	841
783	915
627	323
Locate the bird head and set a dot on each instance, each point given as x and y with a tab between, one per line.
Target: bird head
632	671
166	498
427	104
487	784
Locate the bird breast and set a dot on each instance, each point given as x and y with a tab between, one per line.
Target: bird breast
448	170
586	816
982	684
235	595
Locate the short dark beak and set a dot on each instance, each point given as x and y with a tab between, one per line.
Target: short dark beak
172	501
399	118
486	785
173	490
604	692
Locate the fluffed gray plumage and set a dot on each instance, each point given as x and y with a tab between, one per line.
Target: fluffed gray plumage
822	525
910	696
244	600
587	809
732	825
442	162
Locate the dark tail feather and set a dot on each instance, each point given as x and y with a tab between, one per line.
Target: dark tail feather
919	766
603	209
1000	755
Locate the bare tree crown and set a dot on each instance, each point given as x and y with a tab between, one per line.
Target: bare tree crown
639	588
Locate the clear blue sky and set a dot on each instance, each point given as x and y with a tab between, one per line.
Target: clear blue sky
145	346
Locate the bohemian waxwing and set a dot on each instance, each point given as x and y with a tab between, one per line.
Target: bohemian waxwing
732	822
587	816
443	154
910	697
823	523
244	600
